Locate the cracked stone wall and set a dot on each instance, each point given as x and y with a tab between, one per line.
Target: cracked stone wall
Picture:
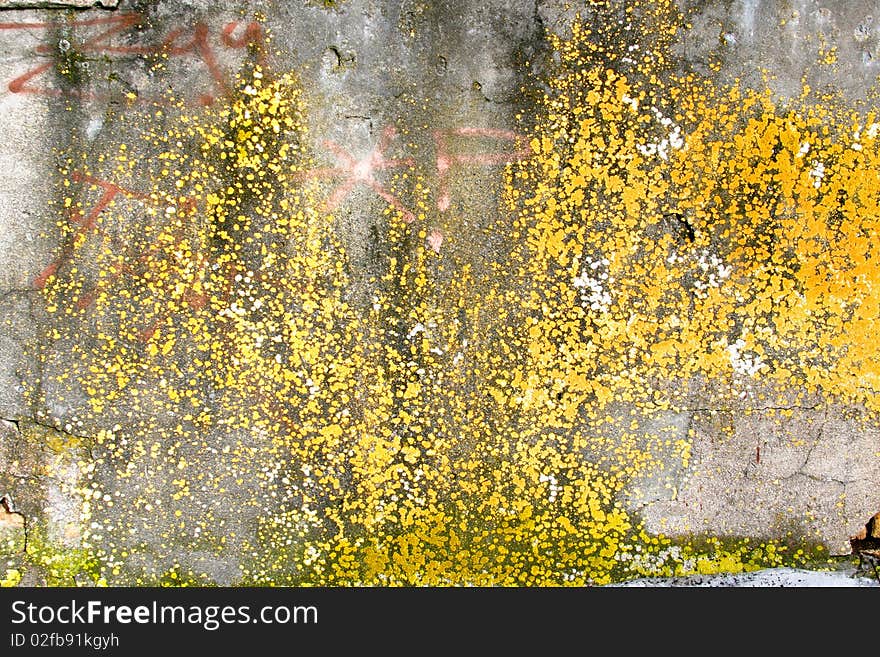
425	292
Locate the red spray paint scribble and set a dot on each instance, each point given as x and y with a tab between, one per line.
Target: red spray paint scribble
89	222
435	240
86	223
361	171
445	159
353	172
132	264
181	42
118	24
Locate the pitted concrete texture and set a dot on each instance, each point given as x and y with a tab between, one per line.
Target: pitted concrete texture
41	504
58	4
781	472
782	40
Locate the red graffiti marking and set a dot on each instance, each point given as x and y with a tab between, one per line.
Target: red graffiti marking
350	170
361	171
131	17
435	240
445	159
231	273
192	298
181	42
252	35
132	263
19	84
86	223
126	265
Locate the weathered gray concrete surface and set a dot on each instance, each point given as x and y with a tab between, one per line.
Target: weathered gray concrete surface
785	469
392	88
57	4
783	40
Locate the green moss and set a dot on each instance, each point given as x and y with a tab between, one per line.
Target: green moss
60	565
71	65
12	578
705	554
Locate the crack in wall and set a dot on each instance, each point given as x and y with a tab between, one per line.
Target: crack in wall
48	477
754	409
819	433
64	432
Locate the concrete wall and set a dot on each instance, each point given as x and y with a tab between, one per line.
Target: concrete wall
412	292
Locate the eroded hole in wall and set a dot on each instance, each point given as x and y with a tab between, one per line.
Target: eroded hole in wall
866	544
9	517
869	533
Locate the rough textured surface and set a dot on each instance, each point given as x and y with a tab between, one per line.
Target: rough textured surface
770	472
781	41
782	577
436	292
57	4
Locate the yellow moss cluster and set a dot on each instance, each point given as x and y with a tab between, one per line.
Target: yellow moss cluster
685	229
12	578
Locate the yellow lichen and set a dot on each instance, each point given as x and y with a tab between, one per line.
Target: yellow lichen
481	427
